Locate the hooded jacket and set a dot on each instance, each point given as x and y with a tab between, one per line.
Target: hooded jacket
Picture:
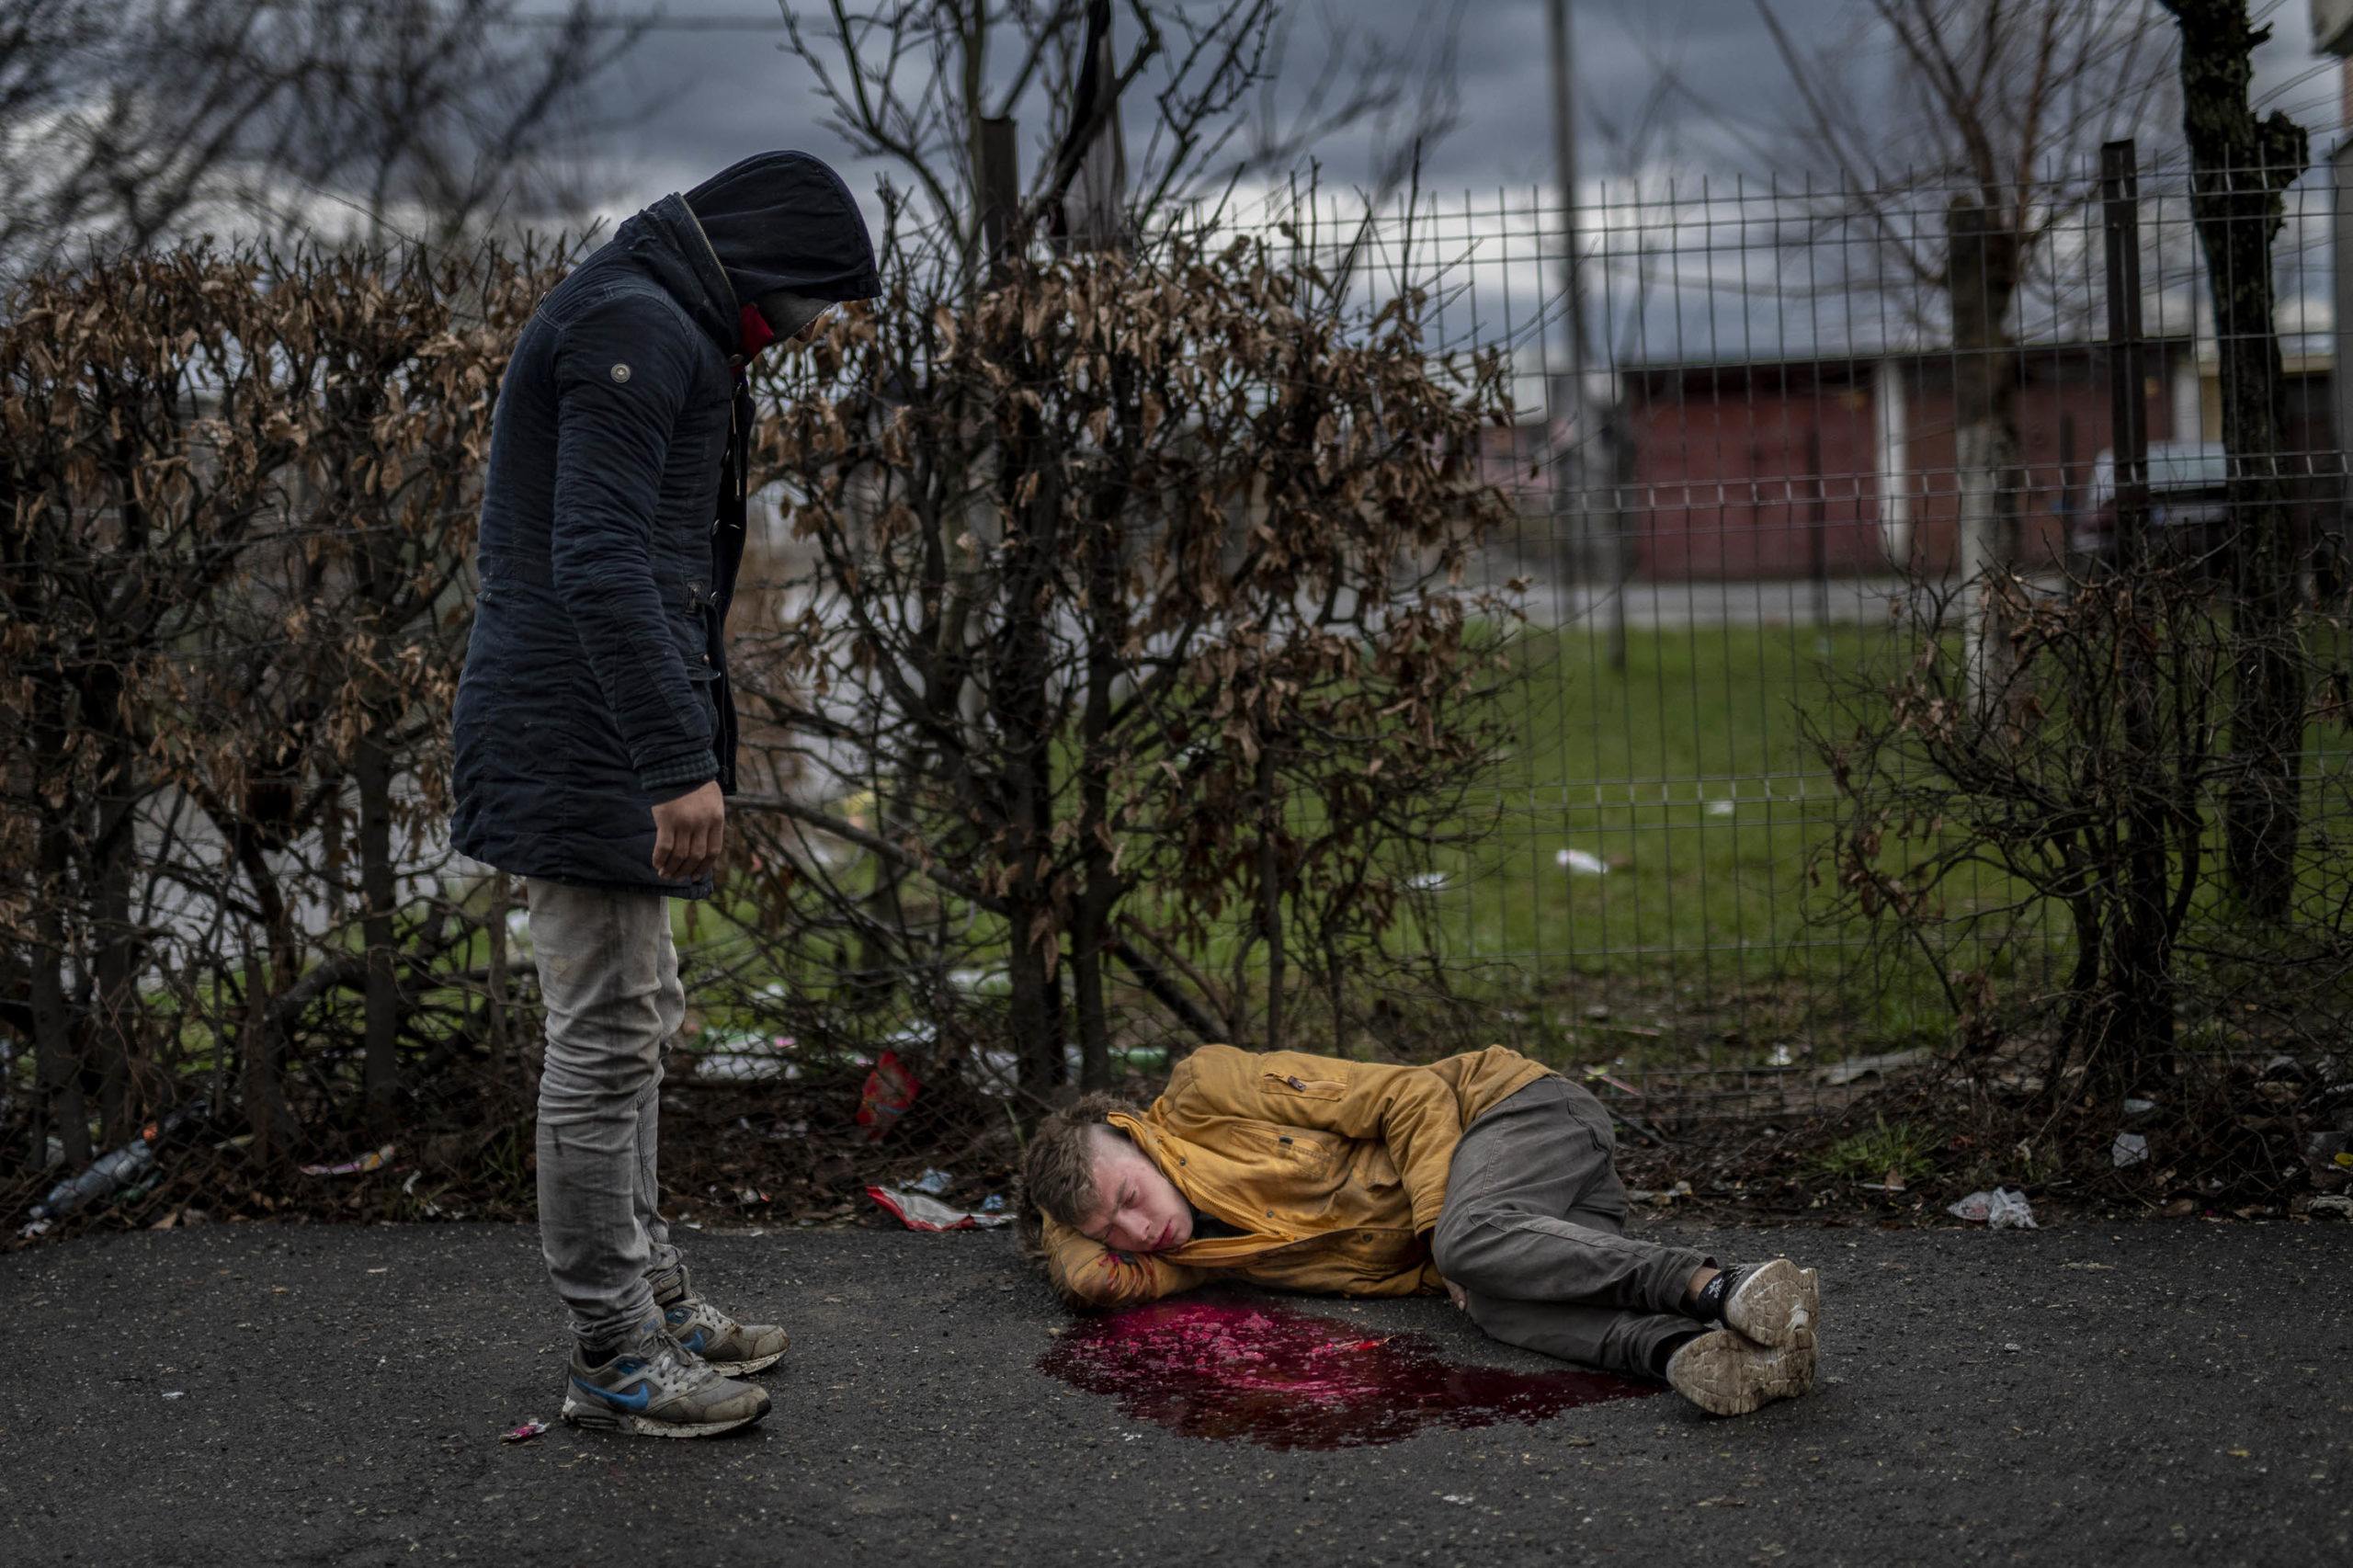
612	525
1333	1171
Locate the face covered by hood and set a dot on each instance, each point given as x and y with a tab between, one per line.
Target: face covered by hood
783	224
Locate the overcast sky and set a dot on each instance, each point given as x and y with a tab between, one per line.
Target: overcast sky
708	97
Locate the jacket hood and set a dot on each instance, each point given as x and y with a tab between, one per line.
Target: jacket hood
786	221
664	243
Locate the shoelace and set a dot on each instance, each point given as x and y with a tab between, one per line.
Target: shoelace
674	1369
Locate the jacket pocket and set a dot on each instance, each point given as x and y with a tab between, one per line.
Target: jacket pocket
1304	1088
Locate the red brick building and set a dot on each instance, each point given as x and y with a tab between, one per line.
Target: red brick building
1846	466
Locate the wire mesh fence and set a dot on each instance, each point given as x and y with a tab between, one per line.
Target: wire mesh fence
1771	438
1833	526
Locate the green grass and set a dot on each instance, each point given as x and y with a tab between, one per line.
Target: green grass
1903	1152
1687	774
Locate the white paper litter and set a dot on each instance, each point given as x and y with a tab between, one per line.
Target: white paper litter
2000	1209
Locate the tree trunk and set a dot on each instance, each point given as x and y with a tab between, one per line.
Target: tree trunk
2239	166
1022	703
114	1032
1981	279
1036	1010
371	770
1099	887
268	1116
496	1027
1270	884
56	1061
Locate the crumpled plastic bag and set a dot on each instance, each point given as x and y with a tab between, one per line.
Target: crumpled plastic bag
2000	1209
889	1089
921	1213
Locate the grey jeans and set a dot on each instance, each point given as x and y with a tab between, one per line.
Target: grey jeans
1533	1231
608	974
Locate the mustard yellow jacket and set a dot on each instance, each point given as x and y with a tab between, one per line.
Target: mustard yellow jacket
1333	1171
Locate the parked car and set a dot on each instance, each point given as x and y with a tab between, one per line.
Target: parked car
2190	514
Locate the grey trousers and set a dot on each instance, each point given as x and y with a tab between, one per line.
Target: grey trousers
608	974
1533	1231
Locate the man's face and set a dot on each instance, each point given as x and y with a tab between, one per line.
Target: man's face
1136	1208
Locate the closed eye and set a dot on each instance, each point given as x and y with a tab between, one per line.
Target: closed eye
1127	1196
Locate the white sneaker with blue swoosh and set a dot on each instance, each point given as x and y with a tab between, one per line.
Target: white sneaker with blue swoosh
737	1349
652	1389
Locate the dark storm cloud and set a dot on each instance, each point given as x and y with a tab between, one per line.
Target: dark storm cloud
690	102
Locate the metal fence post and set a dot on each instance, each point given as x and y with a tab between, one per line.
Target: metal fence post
2120	190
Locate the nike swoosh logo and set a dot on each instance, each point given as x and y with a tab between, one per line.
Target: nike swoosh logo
630	1402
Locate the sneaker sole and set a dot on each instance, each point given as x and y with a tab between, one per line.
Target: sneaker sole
743	1369
591	1419
1781	1304
1725	1375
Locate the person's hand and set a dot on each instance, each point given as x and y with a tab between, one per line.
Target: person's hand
689	833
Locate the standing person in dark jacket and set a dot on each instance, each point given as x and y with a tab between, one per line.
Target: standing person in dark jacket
595	732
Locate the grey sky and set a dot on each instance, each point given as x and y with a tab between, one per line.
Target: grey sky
703	98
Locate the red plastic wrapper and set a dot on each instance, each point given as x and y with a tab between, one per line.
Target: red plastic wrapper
889	1089
918	1213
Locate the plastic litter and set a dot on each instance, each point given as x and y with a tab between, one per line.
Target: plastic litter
889	1089
1854	1067
2340	1207
2000	1209
1594	1074
374	1160
931	1183
109	1175
2139	1107
2130	1148
175	1393
1583	863
523	1434
746	1057
918	1213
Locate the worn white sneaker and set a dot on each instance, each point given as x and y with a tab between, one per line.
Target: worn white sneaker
1726	1373
1774	1304
736	1349
653	1388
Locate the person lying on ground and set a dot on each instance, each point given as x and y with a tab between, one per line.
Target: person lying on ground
595	734
1485	1175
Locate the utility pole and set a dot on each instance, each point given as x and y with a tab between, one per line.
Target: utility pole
1593	449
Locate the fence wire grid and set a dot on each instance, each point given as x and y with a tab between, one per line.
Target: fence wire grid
1738	475
1749	482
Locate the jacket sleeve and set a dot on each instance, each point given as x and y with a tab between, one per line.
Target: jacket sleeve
623	370
1410	1111
1089	1274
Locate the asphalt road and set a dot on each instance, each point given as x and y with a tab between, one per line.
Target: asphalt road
2085	1394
